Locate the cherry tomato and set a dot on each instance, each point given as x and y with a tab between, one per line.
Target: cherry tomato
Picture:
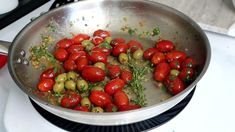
134	45
113	71
116	41
48	74
149	53
176	55
93	74
76	55
71	100
46	85
126	76
80	37
186	74
114	85
120	98
128	107
3	60
97	40
111	108
102	33
61	54
157	58
81	108
96	56
70	65
106	51
175	64
99	98
165	46
64	43
188	63
81	63
174	84
75	48
120	48
161	71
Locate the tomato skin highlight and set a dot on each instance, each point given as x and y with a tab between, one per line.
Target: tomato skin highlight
114	85
96	56
48	74
71	100
97	40
105	51
99	98
128	107
120	98
70	65
80	37
148	54
102	33
119	48
81	108
114	71
64	43
76	55
126	76
186	74
176	55
174	85
116	41
46	85
61	54
157	58
161	71
81	63
93	74
75	48
188	63
175	64
134	45
165	46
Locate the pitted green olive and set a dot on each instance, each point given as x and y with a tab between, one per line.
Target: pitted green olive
86	102
61	77
97	110
138	54
82	85
101	65
72	75
58	87
70	84
123	58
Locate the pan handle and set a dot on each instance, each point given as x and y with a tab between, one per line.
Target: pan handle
4	46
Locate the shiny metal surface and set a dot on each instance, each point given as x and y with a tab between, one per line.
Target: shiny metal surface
88	16
4	47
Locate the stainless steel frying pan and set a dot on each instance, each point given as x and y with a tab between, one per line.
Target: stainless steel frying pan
112	15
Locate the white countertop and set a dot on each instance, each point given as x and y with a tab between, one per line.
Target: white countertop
212	108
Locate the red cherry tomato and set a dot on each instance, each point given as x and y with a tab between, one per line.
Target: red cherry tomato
70	65
165	46
113	71
71	100
76	55
64	43
175	64
111	108
157	58
102	33
61	54
174	84
75	48
48	74
114	85
120	48
81	63
93	74
96	56
116	41
80	37
161	71
126	76
134	45
176	55
3	60
106	51
148	54
186	74
81	108
97	40
99	98
46	85
120	98
128	107
188	63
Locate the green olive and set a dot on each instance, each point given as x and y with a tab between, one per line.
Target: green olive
82	85
86	42
97	110
101	65
61	77
85	102
123	58
108	39
70	84
72	75
89	47
98	88
174	72
58	87
138	54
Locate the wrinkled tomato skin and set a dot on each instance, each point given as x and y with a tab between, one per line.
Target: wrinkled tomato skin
120	98
119	48
61	54
3	60
126	76
96	56
175	64
48	74
114	71
64	43
81	63
161	71
174	85
93	74
99	98
71	100
148	54
176	55
70	65
81	108
114	85
188	63
45	85
75	48
111	107
76	55
157	58
102	33
134	45
165	46
128	107
186	74
97	40
80	37
116	41
106	51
